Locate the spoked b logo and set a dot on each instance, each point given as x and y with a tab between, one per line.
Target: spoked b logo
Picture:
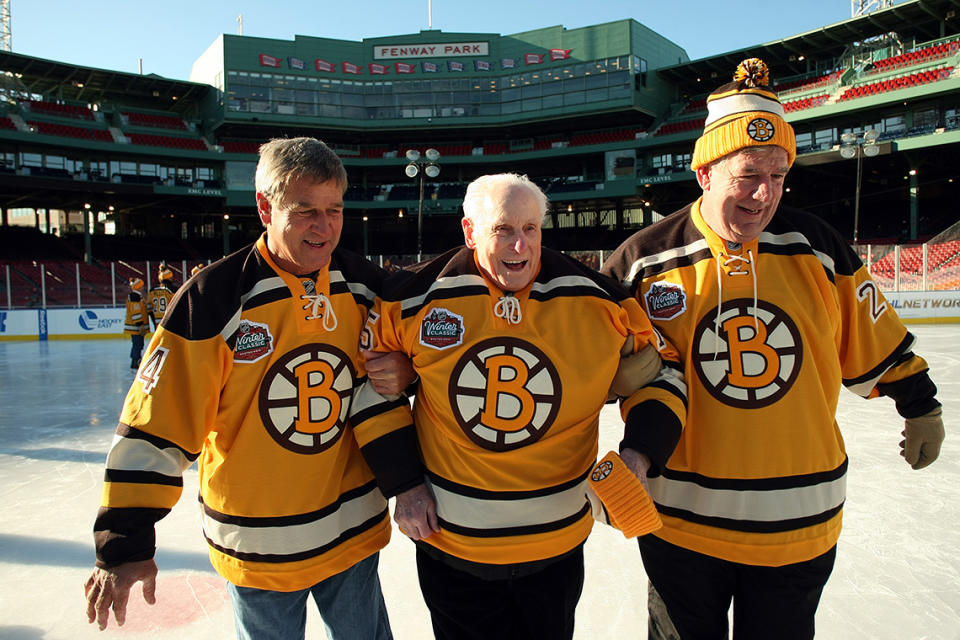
505	393
747	362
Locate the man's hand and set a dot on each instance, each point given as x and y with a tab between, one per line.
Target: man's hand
110	589
922	438
635	370
389	372
416	513
637	462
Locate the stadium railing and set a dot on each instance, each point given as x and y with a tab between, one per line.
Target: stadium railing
933	266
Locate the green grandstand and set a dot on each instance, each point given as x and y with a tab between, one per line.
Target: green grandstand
603	117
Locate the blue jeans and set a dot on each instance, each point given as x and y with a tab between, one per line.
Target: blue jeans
350	603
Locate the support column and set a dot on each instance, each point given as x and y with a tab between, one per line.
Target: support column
914	206
87	240
225	230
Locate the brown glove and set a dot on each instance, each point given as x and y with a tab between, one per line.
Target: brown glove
636	369
922	438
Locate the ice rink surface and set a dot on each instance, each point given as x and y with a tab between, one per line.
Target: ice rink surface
897	574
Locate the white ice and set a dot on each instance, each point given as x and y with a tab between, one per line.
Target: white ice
897	574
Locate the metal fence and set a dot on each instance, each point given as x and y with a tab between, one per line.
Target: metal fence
49	284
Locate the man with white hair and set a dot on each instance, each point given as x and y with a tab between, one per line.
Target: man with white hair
773	313
516	347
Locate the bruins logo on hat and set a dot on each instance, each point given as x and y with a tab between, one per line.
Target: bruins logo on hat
761	129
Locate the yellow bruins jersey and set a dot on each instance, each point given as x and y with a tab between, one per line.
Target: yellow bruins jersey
137	321
251	374
507	408
769	331
158	299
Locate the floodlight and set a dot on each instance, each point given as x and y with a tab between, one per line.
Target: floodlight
870	135
848	138
848	151
413	155
870	150
412	170
432	155
432	171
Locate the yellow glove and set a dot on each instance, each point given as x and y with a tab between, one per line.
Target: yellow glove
922	438
629	506
635	370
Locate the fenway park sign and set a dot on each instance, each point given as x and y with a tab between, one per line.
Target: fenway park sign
438	50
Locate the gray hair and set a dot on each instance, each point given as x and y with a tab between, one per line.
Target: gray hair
755	151
479	207
285	159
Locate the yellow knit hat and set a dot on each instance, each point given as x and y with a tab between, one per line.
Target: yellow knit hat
744	113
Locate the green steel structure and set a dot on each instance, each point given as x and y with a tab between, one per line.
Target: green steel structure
603	117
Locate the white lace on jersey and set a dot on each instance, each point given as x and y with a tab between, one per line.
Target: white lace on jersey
314	303
508	308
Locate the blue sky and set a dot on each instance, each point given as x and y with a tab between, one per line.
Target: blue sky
168	36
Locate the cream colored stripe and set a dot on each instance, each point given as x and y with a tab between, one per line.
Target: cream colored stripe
443	283
481	513
741	103
286	540
133	454
761	506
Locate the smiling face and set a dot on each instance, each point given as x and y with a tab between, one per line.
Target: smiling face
304	225
507	236
741	193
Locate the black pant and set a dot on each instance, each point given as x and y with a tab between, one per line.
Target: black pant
539	606
136	349
768	602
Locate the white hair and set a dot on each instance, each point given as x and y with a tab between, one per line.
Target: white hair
479	207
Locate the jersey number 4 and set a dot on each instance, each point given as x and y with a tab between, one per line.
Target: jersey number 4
149	373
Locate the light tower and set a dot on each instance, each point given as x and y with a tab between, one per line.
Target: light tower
863	7
5	32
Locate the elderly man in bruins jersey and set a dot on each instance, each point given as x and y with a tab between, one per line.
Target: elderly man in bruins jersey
251	373
516	348
773	313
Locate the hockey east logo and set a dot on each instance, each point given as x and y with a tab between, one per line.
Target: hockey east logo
253	341
665	301
441	329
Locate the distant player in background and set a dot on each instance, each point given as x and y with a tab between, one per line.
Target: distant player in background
137	322
159	297
773	313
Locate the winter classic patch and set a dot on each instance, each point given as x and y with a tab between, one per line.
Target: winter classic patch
253	341
665	300
441	329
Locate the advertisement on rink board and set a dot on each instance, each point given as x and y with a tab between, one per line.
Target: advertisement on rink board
925	305
43	324
69	324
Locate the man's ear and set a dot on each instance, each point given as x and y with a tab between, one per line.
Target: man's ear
264	208
703	176
467	225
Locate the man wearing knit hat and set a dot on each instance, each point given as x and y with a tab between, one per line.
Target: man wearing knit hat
772	313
